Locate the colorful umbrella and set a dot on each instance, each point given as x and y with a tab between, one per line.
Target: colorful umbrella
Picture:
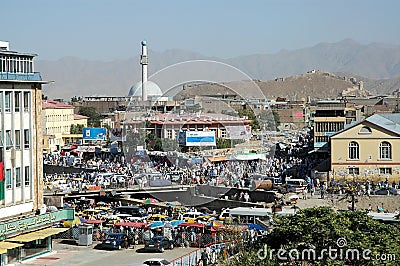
175	223
156	224
215	224
150	201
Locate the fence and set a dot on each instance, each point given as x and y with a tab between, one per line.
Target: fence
189	259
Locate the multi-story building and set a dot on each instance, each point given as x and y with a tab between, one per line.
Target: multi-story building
58	117
367	150
21	173
331	117
168	126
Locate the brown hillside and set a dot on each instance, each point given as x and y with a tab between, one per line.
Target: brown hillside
317	85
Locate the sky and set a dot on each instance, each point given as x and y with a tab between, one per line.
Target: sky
113	29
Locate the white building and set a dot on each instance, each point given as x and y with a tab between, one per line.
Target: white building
23	216
20	124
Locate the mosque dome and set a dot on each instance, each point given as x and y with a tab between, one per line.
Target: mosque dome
152	89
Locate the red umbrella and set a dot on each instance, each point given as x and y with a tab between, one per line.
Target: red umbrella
150	201
196	225
131	224
95	221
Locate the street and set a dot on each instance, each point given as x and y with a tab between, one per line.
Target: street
65	253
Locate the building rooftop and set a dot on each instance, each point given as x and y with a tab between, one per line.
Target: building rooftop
50	104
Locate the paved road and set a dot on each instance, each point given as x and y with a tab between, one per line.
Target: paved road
70	254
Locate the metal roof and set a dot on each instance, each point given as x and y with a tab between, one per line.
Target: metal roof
390	122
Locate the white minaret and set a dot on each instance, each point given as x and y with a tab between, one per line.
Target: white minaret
144	62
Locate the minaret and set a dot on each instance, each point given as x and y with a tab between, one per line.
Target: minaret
144	62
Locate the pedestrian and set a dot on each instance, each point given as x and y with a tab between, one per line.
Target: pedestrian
304	193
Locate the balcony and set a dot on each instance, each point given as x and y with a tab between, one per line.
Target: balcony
20	76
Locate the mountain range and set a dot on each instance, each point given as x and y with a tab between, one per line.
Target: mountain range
377	65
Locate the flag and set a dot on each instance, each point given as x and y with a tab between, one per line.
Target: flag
2	189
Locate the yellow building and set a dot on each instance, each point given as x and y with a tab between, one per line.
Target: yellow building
57	120
367	150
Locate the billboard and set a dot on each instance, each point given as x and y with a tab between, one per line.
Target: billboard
200	138
238	132
94	133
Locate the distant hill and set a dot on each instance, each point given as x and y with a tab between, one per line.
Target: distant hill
315	84
379	63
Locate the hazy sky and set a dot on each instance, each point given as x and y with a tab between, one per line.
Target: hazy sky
113	29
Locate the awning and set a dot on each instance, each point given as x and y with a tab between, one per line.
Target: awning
217	159
131	224
41	234
4	246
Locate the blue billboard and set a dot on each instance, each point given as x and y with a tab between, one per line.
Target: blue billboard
94	133
200	138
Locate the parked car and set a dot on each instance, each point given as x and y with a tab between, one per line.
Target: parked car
156	262
158	243
134	211
386	191
115	241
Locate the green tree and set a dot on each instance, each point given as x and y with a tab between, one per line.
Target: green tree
76	129
248	112
94	117
223	143
321	228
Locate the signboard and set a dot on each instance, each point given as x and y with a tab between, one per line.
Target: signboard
200	138
238	132
36	221
94	133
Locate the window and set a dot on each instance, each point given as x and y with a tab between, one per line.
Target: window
26	138
8	179
17	100
169	133
26	101
354	171
353	151
18	177
365	130
385	151
7	101
27	176
1	101
385	171
223	133
9	142
17	139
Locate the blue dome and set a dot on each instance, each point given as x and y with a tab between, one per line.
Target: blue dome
144	42
152	89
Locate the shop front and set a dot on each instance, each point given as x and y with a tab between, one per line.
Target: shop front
30	237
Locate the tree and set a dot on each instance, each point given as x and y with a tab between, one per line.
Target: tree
76	129
246	111
223	143
94	117
319	229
